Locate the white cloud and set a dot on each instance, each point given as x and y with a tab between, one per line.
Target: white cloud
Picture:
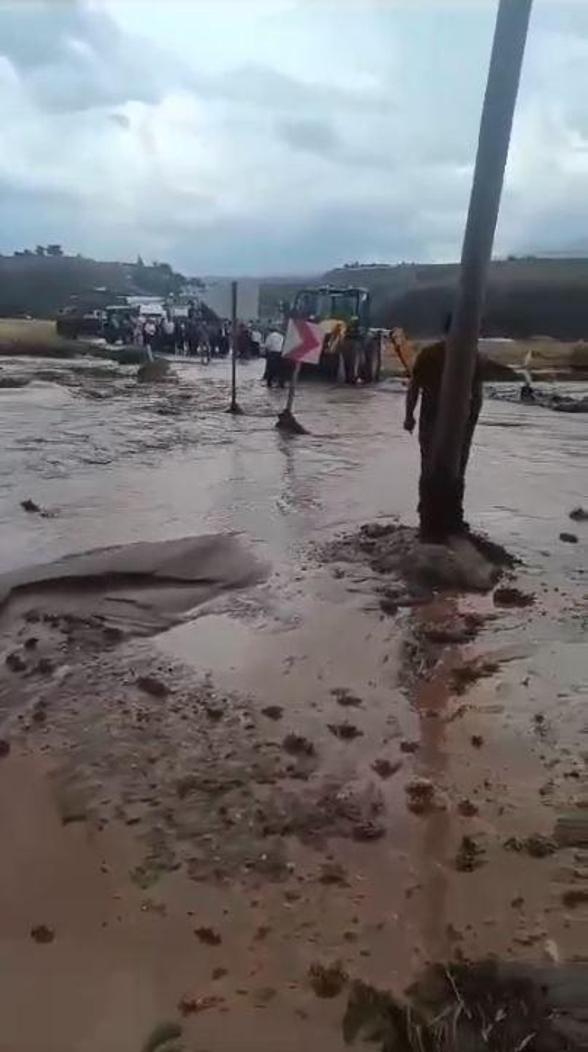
266	136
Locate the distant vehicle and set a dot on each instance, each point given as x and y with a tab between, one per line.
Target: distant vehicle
71	323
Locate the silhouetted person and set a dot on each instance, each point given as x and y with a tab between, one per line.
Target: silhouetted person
427	376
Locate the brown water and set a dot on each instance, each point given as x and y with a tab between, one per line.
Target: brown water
141	464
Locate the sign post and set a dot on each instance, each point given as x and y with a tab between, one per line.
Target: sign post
303	343
234	406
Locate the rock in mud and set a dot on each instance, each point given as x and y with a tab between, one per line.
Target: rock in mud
4	748
208	936
153	372
579	515
477	741
154	686
568	538
273	712
470	855
42	934
512	597
298	745
327	980
385	769
346	731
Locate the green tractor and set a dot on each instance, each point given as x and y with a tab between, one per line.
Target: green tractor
359	351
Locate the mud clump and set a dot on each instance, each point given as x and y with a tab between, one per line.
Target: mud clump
512	597
345	698
188	1005
4	748
575	897
421	796
42	934
273	712
385	768
345	731
464	676
298	745
333	874
470	855
153	686
579	515
208	936
467	809
536	846
409	747
327	980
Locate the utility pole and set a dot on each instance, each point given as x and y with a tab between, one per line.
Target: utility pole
443	480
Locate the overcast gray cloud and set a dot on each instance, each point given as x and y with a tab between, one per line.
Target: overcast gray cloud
279	136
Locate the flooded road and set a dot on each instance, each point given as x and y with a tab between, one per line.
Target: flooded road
267	796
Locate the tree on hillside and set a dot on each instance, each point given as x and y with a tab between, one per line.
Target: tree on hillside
140	262
40	250
54	250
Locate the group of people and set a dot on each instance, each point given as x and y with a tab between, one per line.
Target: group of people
191	335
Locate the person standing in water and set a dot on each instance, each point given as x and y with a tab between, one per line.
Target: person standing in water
425	383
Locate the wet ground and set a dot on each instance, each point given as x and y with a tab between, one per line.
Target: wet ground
329	766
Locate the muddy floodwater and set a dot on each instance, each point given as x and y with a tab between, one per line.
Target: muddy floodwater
239	776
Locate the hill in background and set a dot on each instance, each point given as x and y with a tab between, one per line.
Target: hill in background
526	297
39	285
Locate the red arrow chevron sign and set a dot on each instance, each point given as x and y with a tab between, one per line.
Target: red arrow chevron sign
303	342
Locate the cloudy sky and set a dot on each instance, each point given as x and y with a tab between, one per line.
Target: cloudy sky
280	136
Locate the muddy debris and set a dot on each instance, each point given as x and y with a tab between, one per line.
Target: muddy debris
345	698
575	897
273	712
15	662
579	515
30	505
536	846
153	686
421	796
346	731
333	874
470	855
44	666
462	630
298	745
467	809
4	748
368	830
477	741
327	980
464	676
208	936
42	934
385	768
568	538
409	747
154	372
188	1005
486	1006
219	973
513	597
